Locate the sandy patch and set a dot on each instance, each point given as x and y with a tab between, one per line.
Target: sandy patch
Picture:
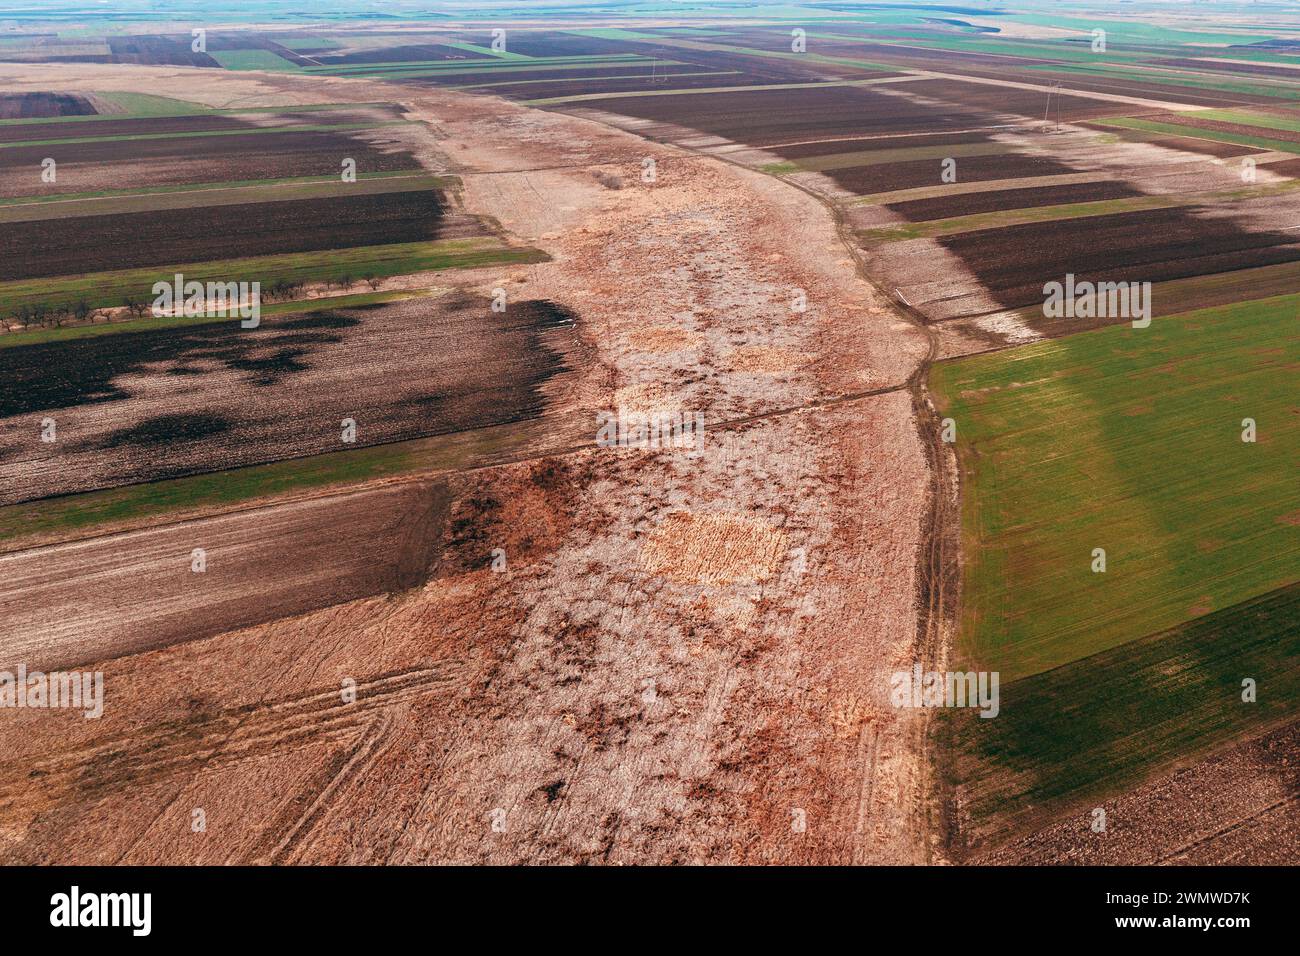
665	338
712	548
759	358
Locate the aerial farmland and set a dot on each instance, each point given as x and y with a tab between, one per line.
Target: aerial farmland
609	434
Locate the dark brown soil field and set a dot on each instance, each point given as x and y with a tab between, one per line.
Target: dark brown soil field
42	132
61	606
965	204
534	91
31	105
1204	147
1005	99
1290	167
51	247
760	117
1238	68
399	54
1240	806
149	50
545	43
1153	245
140	406
884	177
118	164
198	123
1152	90
789	70
598	71
829	147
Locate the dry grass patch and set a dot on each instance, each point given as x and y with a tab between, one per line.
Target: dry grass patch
762	358
712	548
664	338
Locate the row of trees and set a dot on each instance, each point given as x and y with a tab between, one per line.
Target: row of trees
52	316
42	315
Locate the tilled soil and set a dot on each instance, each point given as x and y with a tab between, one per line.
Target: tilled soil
115	595
72	246
966	204
33	105
134	163
144	406
1239	807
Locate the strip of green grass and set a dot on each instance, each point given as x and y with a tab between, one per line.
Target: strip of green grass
1128	440
201	134
498	54
1102	725
138	505
1244	118
254	60
151	324
443	181
1217	136
879	157
468	66
210	196
317	44
1077	210
1169	78
611	33
109	289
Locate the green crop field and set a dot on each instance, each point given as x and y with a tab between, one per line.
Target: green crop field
254	60
1195	132
1128	440
1118	439
108	289
1106	722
